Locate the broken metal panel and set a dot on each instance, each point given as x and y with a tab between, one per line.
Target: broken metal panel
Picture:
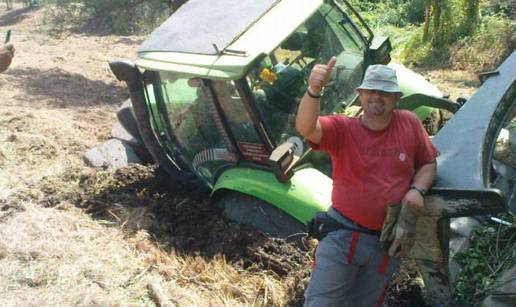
465	182
467	141
457	203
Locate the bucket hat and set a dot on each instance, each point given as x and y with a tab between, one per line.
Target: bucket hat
381	78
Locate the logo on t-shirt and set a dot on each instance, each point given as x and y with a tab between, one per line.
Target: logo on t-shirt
402	156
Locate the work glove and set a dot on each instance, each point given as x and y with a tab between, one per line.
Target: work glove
398	238
389	226
6	56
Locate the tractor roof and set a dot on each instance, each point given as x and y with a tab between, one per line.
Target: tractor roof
199	25
220	39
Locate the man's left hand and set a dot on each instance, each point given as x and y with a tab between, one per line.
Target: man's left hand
404	234
414	201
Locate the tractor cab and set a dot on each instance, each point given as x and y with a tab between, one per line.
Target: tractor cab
215	123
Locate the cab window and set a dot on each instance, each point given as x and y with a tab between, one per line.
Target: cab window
279	81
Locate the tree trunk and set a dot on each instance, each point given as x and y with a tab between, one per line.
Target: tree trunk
471	14
426	26
437	17
437	30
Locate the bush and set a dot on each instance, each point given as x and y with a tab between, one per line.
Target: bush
398	13
471	42
489	45
424	54
399	36
119	16
493	251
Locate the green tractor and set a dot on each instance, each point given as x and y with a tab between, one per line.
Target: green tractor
215	90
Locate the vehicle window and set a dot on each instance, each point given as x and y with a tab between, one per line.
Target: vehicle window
279	81
239	122
190	112
354	17
343	28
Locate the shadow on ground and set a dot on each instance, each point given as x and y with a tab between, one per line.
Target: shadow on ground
129	41
101	26
15	16
66	90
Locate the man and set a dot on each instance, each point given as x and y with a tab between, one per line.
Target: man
6	56
382	157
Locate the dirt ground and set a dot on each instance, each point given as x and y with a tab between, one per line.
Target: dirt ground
73	235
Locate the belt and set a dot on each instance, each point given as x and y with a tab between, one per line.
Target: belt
349	224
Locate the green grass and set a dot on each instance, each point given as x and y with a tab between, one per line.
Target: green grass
492	251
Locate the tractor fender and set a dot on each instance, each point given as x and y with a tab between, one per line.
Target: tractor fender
412	83
305	194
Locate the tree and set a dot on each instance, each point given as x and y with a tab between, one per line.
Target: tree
438	20
426	25
471	9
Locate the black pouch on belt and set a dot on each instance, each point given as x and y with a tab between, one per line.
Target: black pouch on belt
322	224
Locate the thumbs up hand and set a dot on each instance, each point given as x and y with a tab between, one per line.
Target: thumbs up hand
319	76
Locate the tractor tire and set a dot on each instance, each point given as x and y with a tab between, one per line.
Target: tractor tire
262	216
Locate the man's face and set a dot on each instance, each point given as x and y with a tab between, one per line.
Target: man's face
378	103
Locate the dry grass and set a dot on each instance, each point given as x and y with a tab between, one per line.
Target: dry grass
62	256
54	257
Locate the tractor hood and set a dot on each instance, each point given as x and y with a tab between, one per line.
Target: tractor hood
220	39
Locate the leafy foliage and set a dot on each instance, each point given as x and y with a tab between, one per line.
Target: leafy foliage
492	252
472	35
452	33
119	16
398	13
487	47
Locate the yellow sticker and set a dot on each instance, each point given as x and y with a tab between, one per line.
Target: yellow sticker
268	76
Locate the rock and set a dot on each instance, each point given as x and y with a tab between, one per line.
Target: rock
112	154
504	291
120	133
463	226
460	233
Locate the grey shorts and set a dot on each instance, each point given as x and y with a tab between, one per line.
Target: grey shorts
350	269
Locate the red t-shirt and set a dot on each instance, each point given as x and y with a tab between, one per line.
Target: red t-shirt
372	169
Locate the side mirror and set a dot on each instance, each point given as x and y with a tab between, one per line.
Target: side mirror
295	41
282	160
379	50
125	70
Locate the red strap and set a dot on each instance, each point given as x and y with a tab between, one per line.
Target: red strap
383	266
353	246
382	296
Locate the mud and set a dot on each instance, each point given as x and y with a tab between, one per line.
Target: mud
407	287
181	219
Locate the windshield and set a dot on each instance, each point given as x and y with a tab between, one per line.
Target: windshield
278	81
193	121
